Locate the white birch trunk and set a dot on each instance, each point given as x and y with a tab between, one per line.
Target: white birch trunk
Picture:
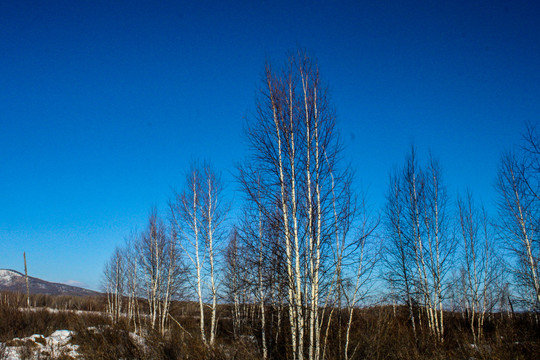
285	214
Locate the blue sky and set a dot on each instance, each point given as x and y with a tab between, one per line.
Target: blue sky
104	104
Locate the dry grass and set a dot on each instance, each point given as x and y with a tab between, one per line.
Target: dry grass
376	334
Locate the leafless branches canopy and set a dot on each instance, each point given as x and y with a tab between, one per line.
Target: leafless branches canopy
149	267
518	183
479	276
300	193
198	214
419	246
299	259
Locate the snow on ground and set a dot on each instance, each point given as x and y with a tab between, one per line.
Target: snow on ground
58	343
55	311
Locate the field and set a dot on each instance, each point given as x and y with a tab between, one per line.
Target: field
377	333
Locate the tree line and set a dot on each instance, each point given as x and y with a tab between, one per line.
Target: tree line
305	253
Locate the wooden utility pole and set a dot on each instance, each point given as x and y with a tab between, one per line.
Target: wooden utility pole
26	278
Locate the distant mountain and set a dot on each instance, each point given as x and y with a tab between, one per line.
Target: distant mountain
11	280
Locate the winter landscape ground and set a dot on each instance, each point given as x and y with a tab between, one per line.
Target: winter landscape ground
81	327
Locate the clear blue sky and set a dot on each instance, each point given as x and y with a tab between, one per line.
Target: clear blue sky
103	104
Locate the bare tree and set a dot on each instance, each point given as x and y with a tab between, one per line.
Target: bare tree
440	245
213	216
519	218
294	175
366	255
198	216
114	277
186	215
234	281
132	279
161	271
419	247
479	261
254	235
399	248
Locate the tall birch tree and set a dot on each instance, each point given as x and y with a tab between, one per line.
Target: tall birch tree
198	216
479	263
419	246
294	171
519	218
160	269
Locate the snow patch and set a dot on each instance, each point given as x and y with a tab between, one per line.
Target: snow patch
7	276
60	337
55	345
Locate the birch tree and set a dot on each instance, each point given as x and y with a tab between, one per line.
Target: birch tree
364	256
294	170
160	269
132	281
420	248
255	236
114	280
399	248
478	262
234	281
186	214
213	217
198	216
519	216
